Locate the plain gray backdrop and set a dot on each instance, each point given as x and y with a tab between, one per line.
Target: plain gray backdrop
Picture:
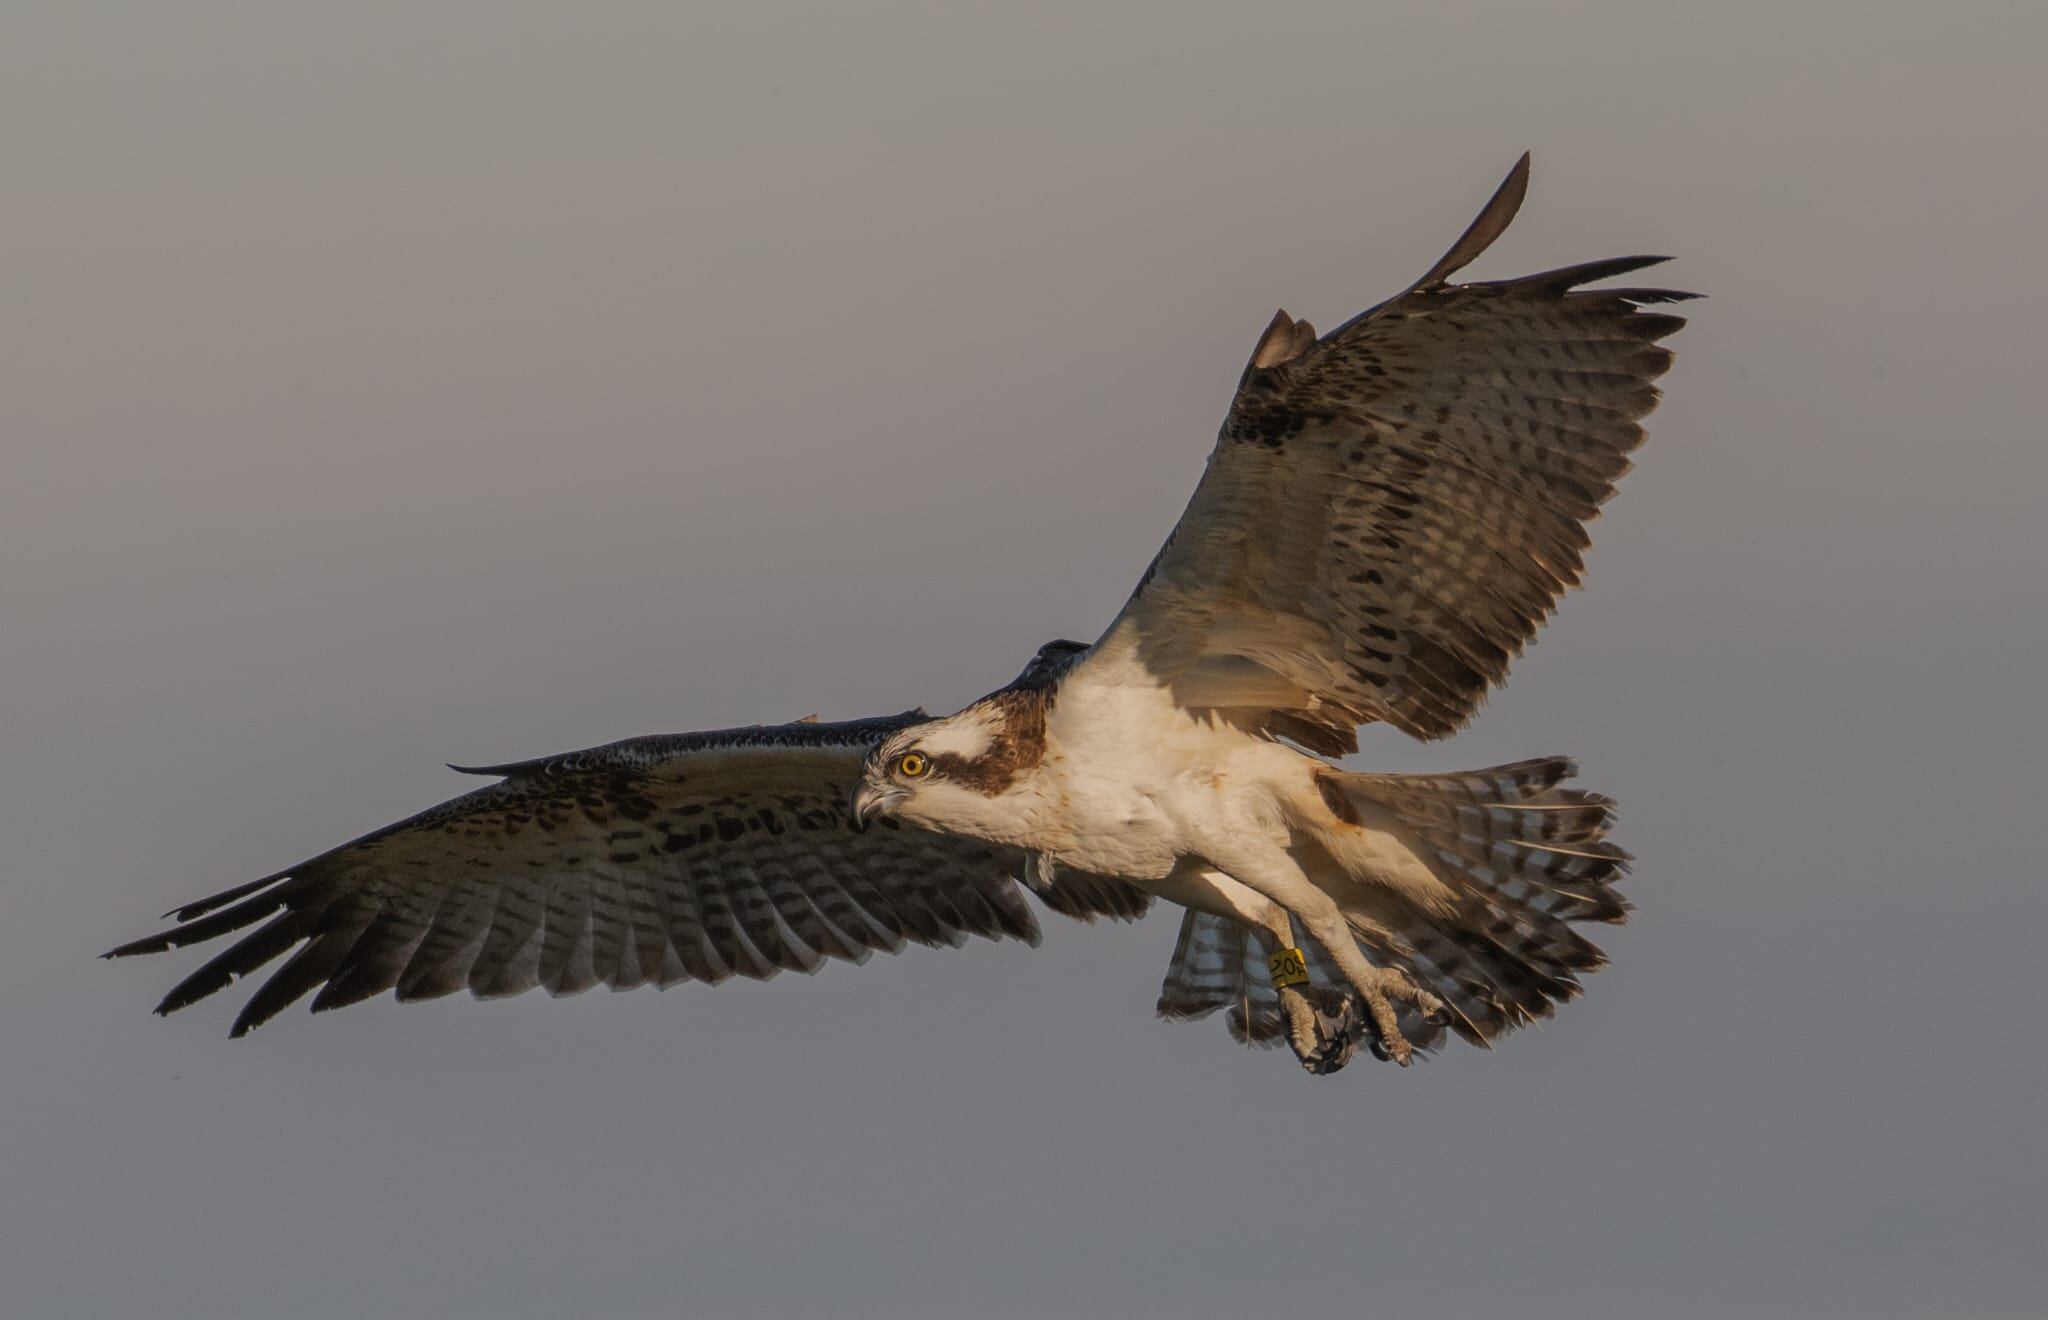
388	384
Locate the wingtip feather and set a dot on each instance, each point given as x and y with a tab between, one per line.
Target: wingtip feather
199	907
1492	221
133	948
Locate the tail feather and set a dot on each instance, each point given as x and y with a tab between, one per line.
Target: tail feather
1208	967
1518	781
1522	859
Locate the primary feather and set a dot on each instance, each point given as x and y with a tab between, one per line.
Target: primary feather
1392	510
650	861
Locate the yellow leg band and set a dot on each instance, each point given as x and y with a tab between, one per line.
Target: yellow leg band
1287	967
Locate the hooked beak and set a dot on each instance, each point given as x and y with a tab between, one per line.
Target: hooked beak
871	800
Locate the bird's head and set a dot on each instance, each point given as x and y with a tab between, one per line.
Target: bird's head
960	774
941	775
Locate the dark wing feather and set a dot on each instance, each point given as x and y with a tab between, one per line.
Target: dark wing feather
1392	510
655	860
1084	895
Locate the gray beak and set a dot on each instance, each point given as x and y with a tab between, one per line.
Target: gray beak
871	800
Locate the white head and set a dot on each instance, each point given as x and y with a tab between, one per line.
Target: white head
962	774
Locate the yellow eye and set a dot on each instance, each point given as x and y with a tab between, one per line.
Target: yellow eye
914	765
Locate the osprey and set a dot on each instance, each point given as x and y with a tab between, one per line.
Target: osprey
1390	512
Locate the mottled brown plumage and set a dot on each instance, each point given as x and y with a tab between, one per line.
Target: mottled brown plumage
1393	510
693	857
1017	724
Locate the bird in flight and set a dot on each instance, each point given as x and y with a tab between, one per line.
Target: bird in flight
1390	512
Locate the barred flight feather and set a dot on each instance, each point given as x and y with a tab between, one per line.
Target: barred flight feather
1393	510
656	860
1524	859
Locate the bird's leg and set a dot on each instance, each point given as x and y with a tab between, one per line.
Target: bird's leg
1379	987
1323	1023
1324	1031
1276	876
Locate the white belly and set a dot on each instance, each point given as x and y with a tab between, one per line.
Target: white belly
1138	782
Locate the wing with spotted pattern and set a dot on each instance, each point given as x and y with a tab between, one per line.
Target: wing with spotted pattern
1392	510
692	857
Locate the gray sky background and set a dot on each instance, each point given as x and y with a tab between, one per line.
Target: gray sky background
392	384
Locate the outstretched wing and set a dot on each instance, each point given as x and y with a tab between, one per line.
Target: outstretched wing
687	857
1392	510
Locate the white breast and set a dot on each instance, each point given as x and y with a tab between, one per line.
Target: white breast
1127	771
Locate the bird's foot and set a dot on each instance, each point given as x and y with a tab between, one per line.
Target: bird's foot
1381	988
1323	1025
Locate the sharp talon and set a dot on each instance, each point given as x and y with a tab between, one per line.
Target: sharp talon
1385	987
1326	1025
1322	1026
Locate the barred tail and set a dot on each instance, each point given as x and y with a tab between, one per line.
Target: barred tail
1221	963
1522	857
